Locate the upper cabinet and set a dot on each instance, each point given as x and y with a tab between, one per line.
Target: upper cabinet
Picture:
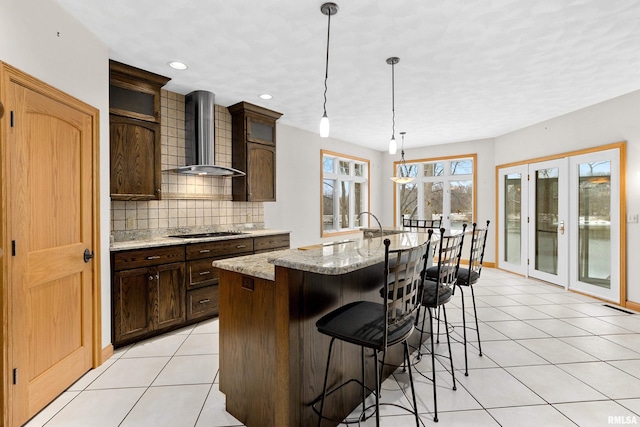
254	152
134	129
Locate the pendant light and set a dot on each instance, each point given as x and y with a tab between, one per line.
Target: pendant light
404	177
393	146
326	9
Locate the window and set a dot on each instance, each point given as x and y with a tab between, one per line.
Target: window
442	187
345	193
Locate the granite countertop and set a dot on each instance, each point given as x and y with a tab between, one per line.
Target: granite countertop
169	241
333	258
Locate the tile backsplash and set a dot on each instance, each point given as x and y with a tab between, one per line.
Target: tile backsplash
194	202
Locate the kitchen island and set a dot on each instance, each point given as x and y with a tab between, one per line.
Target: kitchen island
272	358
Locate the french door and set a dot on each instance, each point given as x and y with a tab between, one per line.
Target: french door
548	217
559	221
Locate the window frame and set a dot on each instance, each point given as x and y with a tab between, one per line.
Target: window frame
446	178
352	180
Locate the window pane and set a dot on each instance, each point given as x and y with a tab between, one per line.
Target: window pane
512	221
344	205
344	167
327	204
433	169
327	164
546	239
433	200
462	167
358	169
408	200
358	194
594	237
461	204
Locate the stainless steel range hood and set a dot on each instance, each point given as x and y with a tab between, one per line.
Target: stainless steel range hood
200	137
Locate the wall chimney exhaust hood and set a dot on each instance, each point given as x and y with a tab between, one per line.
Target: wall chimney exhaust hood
200	137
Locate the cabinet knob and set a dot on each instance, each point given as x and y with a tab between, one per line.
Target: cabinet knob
150	278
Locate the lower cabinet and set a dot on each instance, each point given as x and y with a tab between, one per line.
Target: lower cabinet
158	289
147	300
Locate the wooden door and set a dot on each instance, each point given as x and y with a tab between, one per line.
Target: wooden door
51	219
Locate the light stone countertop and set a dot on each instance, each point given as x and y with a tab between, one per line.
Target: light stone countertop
334	258
169	241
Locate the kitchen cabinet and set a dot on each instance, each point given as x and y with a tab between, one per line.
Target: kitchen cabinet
148	292
203	279
134	128
271	243
162	288
254	152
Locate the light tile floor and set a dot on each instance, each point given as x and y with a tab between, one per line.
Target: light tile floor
550	358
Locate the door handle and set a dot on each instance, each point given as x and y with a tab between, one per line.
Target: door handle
88	255
561	227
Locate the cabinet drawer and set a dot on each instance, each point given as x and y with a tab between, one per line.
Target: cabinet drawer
219	248
125	260
280	241
202	302
201	273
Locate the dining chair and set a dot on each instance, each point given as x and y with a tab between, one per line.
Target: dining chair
436	292
378	326
467	277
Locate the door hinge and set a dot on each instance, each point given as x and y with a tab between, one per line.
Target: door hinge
15	375
11	118
527	261
13	248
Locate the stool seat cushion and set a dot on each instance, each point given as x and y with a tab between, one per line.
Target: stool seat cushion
362	323
435	295
464	279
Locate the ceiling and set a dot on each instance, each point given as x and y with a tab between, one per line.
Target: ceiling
468	69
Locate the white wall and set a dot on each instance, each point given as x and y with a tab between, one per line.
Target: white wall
39	38
611	121
297	208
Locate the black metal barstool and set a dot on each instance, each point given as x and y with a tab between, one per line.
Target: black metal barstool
436	292
467	277
378	326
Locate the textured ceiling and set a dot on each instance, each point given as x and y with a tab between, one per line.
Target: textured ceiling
467	70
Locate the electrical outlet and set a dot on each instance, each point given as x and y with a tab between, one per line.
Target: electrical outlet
632	218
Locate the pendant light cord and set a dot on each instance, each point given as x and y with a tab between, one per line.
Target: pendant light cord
326	70
393	101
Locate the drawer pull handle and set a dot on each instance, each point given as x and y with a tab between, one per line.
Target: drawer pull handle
205	251
153	257
204	273
241	246
204	301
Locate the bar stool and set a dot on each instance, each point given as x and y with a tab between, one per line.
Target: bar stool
411	224
378	326
437	291
467	277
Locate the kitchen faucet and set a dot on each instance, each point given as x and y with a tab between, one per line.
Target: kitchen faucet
374	217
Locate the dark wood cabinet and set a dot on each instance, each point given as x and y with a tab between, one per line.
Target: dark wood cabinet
203	279
148	292
254	152
134	125
158	289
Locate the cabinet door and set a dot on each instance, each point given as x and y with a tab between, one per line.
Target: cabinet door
131	303
261	172
168	291
135	159
260	130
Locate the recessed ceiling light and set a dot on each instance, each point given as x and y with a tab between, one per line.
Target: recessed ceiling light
265	96
177	65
